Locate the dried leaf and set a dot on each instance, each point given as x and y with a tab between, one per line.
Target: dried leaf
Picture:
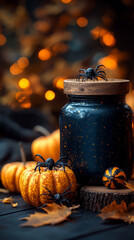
2	190
14	204
9	200
118	212
54	214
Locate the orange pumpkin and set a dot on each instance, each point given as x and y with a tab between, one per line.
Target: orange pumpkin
47	146
11	172
33	183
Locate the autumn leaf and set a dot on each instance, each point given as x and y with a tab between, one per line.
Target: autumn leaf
9	200
118	212
54	214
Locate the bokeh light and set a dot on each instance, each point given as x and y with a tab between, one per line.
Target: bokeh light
15	69
49	95
23	62
109	62
97	32
44	54
2	39
20	97
24	83
66	1
26	104
59	83
82	22
108	39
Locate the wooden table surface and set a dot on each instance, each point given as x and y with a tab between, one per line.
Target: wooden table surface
81	225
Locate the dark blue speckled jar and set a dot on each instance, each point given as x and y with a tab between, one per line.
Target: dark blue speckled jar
96	129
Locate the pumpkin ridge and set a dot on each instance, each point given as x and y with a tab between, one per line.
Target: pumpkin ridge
14	178
3	178
26	190
39	180
10	179
54	182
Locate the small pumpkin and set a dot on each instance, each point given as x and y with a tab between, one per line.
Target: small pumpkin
114	178
11	172
47	146
35	183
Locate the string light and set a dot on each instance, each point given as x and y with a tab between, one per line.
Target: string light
108	39
24	83
66	1
49	95
23	62
44	54
82	22
59	83
109	62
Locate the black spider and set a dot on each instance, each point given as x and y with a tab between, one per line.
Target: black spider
91	73
50	164
58	198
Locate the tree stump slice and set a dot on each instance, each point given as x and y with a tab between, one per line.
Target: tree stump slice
94	198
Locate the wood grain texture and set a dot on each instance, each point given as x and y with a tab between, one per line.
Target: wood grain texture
100	87
94	198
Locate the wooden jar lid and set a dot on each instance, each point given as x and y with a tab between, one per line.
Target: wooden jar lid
100	87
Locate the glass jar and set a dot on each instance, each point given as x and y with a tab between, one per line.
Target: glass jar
96	130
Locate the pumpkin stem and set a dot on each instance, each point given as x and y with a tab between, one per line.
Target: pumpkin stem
22	153
41	129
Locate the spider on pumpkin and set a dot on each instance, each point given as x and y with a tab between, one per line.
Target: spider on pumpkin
58	198
91	73
50	164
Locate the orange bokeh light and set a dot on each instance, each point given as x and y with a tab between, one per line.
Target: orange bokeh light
109	62
23	62
24	83
98	32
20	97
108	39
44	54
66	1
82	22
49	95
26	105
59	83
2	39
15	69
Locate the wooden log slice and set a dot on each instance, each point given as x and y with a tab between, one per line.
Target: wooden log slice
94	198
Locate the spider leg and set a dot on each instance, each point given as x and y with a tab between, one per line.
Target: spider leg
44	205
78	77
101	76
98	67
66	193
66	190
48	191
67	201
84	78
39	156
82	70
45	194
96	78
64	157
102	72
62	164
